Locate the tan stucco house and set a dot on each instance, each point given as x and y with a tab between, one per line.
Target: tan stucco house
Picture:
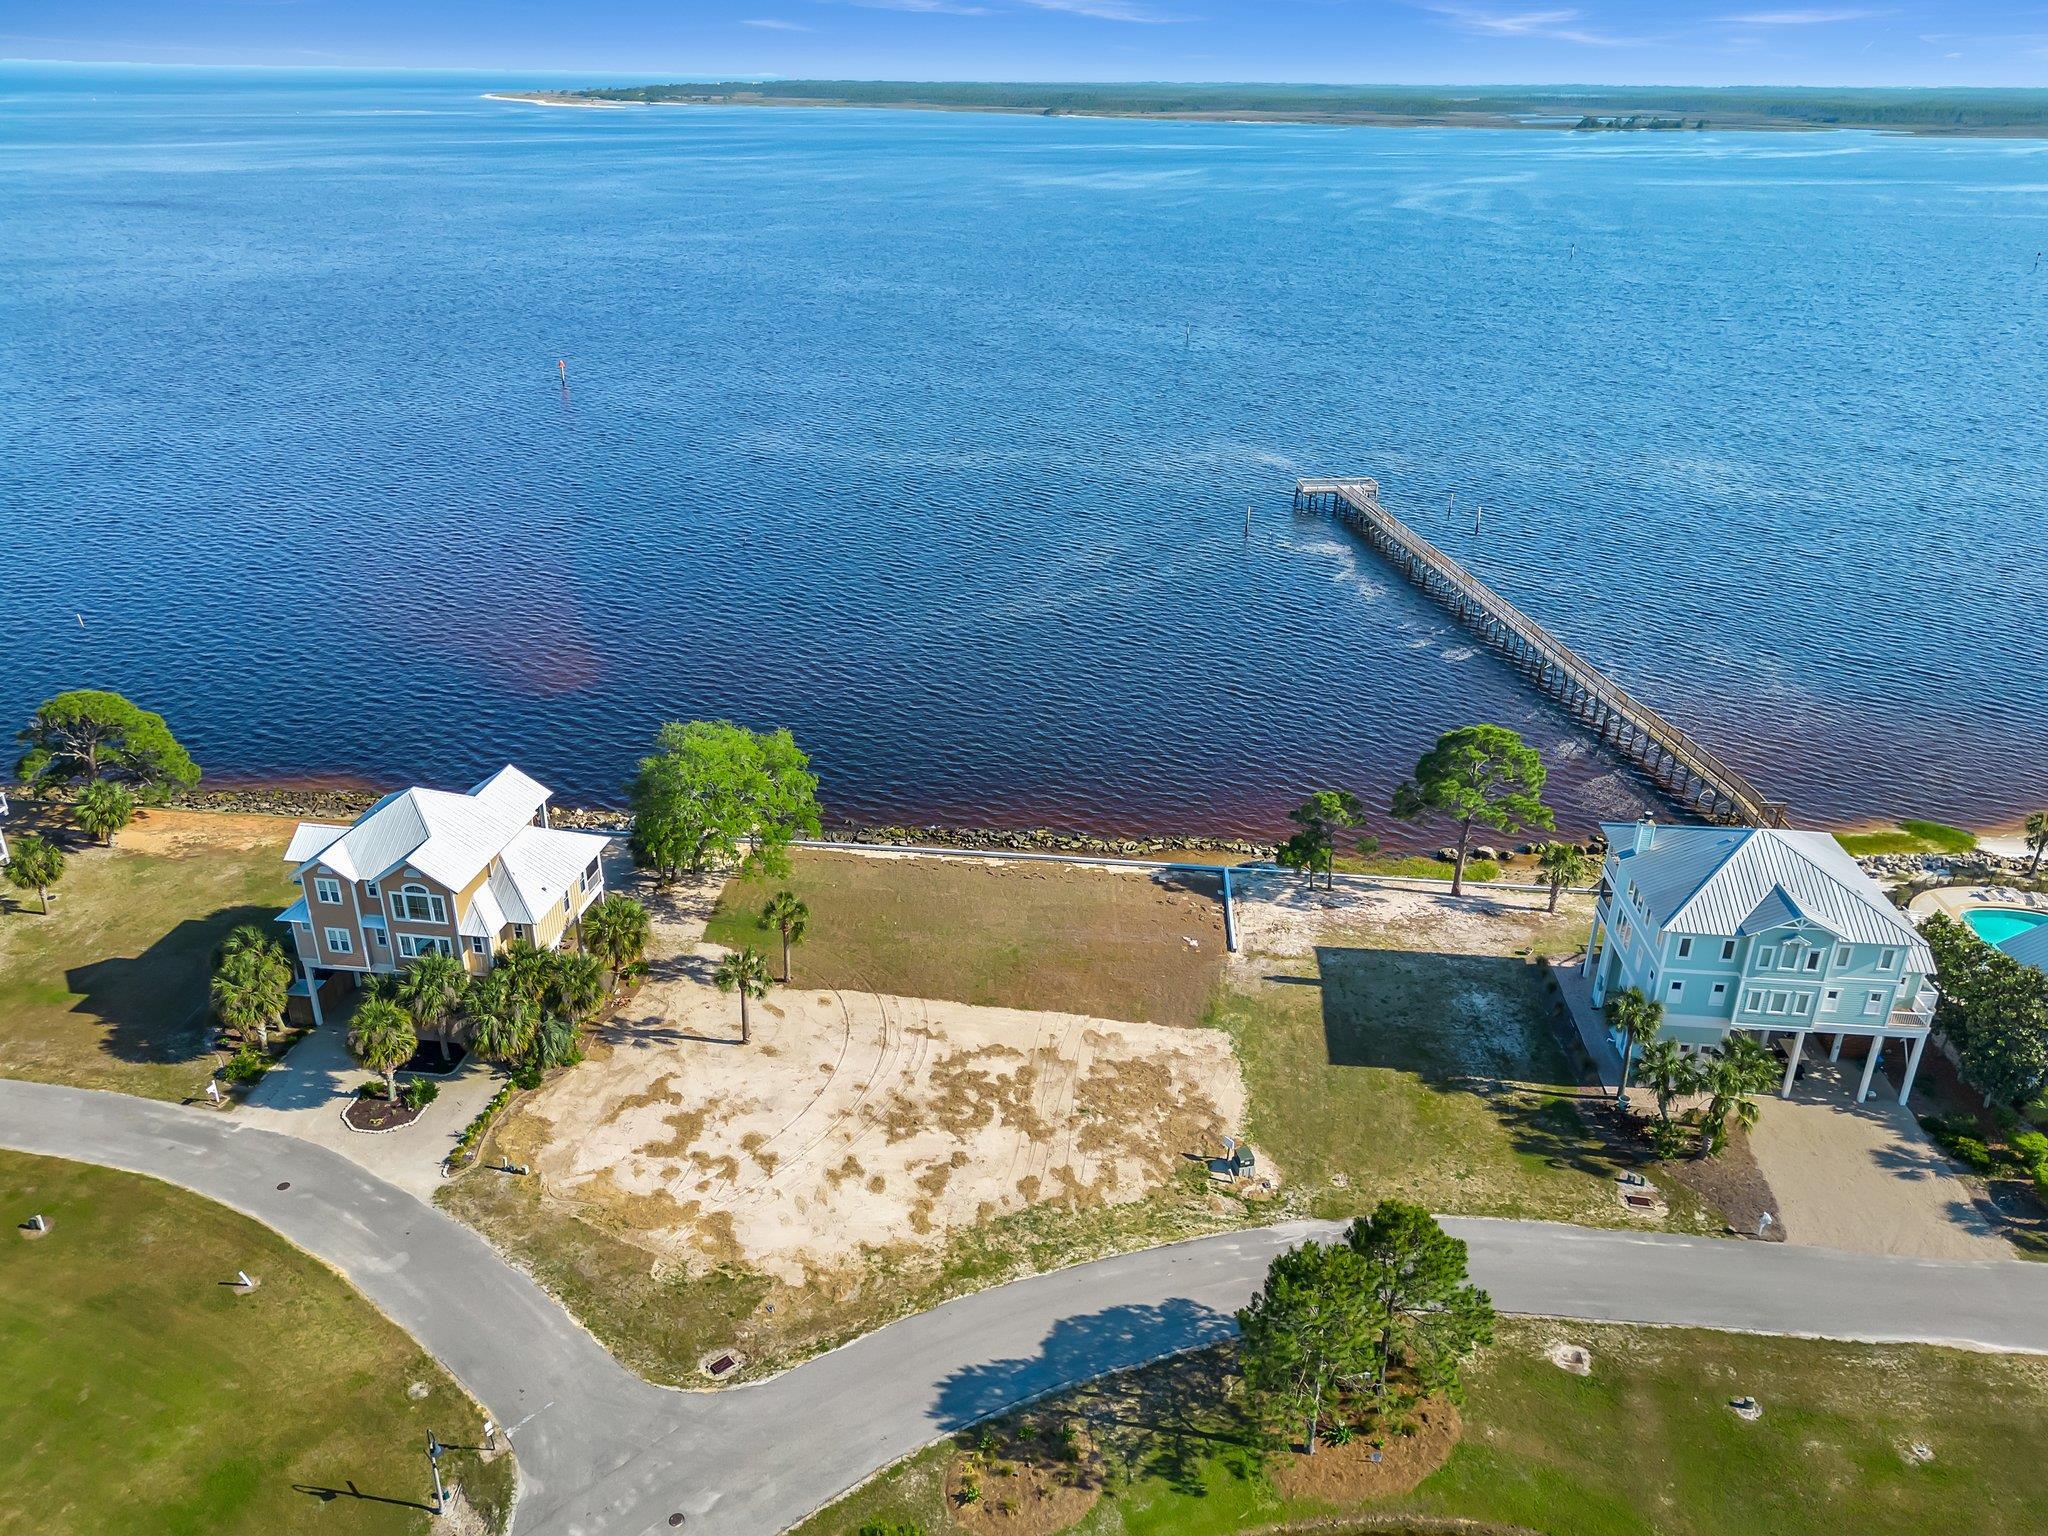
427	869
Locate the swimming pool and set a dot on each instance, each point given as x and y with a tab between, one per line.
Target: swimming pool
1994	925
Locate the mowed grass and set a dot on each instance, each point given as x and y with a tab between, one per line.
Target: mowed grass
143	1396
1644	1446
1377	1069
1108	943
109	990
1909	837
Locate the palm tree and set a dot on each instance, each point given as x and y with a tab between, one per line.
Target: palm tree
1563	864
104	809
615	930
555	1043
382	1039
744	971
35	864
252	981
502	1020
1740	1069
2037	840
1670	1074
788	917
1636	1019
430	990
575	987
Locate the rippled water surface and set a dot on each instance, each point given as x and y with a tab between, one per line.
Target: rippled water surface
931	436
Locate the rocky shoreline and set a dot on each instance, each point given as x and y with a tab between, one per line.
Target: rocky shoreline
341	805
314	803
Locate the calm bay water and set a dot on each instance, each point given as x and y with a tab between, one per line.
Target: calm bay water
931	436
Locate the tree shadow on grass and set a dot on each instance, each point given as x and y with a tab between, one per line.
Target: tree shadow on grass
154	1005
1445	1018
1077	1349
1169	1420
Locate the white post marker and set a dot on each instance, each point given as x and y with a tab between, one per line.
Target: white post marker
490	1435
37	1224
212	1091
1763	1223
242	1279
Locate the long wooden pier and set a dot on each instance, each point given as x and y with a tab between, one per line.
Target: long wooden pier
1678	765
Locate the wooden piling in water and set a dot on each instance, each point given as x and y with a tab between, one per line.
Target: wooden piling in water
1679	766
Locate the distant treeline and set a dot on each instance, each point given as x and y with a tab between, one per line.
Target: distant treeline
1937	110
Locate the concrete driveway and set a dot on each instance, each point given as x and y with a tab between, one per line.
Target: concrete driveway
1864	1178
304	1096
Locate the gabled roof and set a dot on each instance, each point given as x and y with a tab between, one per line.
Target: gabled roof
448	837
2030	946
1742	880
540	866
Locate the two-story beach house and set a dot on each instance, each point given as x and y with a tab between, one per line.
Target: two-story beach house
426	869
1775	932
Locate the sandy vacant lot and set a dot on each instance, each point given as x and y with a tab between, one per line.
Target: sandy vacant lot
1281	915
856	1122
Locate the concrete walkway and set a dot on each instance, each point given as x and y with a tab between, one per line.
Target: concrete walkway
305	1094
601	1451
1864	1177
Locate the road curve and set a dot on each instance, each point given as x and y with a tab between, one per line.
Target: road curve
601	1451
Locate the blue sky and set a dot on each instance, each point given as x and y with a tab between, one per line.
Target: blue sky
1782	42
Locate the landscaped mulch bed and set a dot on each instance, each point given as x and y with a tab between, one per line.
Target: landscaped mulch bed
1347	1474
377	1115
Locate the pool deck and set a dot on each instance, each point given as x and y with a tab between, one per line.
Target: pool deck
1954	901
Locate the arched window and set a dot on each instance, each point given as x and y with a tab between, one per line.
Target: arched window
417	904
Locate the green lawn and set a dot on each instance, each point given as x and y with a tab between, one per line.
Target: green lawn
143	1396
1109	943
1377	1069
109	991
1909	837
1418	866
1644	1446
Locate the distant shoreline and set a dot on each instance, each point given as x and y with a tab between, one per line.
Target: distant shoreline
1663	112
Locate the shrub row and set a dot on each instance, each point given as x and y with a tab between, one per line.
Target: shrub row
466	1143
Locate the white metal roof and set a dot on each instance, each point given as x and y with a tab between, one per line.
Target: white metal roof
542	865
448	837
1739	880
309	838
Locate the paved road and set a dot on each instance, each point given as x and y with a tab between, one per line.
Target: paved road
602	1453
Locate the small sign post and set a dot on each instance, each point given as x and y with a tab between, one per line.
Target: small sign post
434	1461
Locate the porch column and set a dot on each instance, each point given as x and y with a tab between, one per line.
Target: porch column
313	996
1592	949
1869	1066
1912	1066
1792	1065
1835	1050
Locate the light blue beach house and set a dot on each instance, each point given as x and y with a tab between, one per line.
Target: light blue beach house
1775	932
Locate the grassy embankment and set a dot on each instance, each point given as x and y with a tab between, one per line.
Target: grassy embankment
109	990
1644	1446
1909	837
144	1396
1372	1067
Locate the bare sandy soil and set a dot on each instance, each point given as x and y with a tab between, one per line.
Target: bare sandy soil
1279	915
858	1122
